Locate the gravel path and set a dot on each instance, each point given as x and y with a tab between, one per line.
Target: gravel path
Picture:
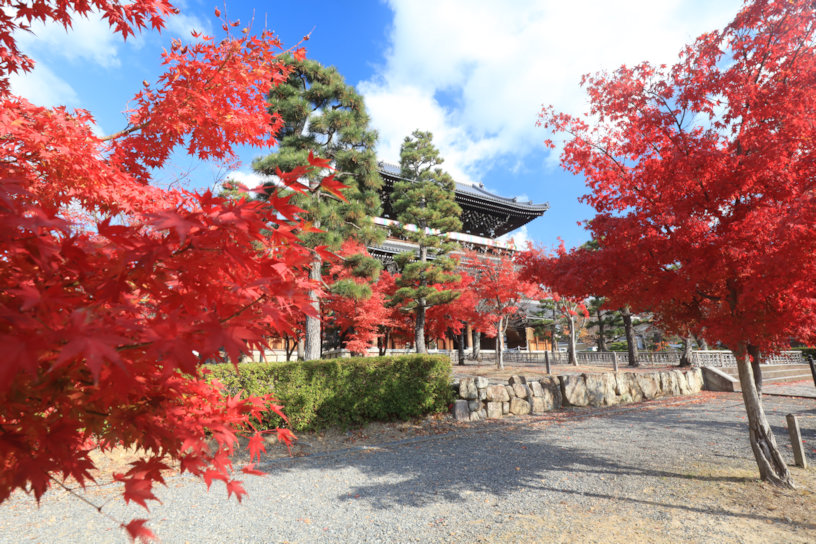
655	472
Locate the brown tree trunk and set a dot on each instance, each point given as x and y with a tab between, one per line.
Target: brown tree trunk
312	333
685	356
500	345
383	341
553	343
601	331
772	467
300	349
573	359
477	345
631	343
753	351
419	330
462	334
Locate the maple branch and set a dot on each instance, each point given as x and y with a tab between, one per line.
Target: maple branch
97	507
243	309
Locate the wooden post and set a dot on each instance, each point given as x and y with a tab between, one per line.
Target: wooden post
547	360
615	360
796	441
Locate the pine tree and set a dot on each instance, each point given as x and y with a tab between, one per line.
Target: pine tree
324	115
424	198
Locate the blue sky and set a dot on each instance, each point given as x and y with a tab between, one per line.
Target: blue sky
474	72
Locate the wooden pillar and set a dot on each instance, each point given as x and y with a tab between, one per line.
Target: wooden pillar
469	336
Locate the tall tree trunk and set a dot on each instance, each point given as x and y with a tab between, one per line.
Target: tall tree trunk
500	345
419	324
462	334
477	345
286	342
313	340
601	331
382	342
301	351
553	343
772	467
685	355
419	330
573	359
753	351
631	344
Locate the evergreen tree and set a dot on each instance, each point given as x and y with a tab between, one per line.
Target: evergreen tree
607	322
324	115
424	198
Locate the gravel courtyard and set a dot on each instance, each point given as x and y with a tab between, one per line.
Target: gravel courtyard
675	470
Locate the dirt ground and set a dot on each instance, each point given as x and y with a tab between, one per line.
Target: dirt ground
756	511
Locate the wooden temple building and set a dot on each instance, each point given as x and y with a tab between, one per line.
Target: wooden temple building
485	218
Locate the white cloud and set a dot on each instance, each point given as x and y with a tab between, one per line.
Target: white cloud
181	26
249	179
499	64
89	39
43	88
520	237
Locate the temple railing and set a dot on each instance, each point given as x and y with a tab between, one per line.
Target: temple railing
716	358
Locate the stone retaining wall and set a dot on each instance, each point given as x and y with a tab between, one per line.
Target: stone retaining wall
477	399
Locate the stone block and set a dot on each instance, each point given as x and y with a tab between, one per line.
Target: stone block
537	405
535	389
510	392
461	412
610	397
482	394
474	405
505	408
519	407
520	390
517	379
497	393
649	384
573	390
481	382
474	416
680	380
595	389
494	410
483	414
467	389
694	377
552	392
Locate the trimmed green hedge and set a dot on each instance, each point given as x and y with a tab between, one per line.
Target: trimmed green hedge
345	392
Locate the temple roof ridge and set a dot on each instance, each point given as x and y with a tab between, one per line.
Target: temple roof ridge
477	190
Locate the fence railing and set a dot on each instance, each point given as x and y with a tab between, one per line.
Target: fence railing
717	358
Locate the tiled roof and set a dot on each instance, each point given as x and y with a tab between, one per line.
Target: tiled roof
476	192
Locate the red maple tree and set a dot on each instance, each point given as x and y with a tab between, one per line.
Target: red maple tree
105	325
702	175
501	290
356	313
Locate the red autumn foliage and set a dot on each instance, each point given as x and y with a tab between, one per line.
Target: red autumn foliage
358	320
500	290
105	325
444	319
702	176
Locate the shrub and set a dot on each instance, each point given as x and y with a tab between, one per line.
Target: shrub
345	392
